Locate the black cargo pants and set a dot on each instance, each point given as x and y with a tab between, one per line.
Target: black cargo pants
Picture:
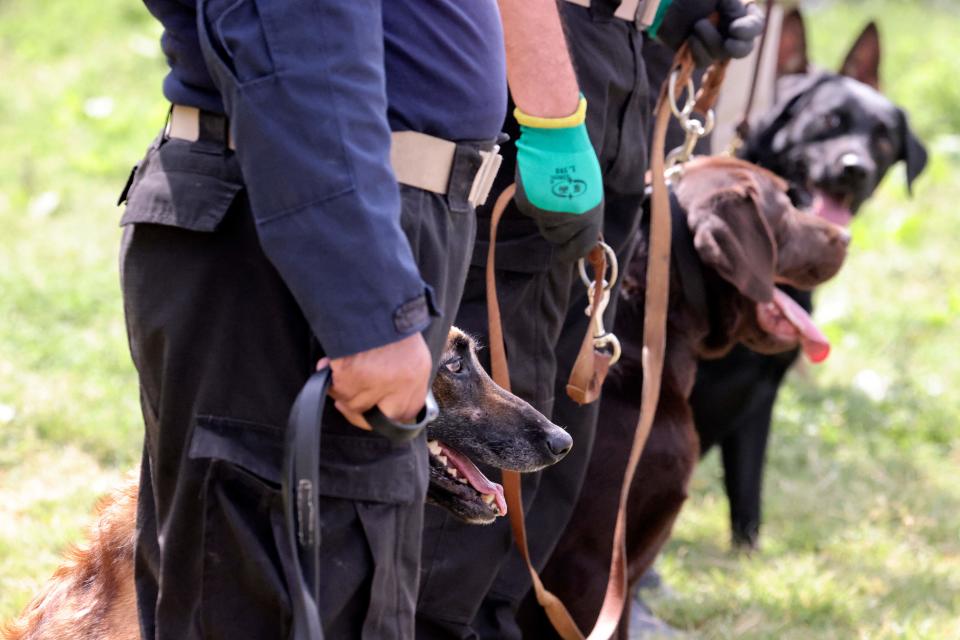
473	578
222	349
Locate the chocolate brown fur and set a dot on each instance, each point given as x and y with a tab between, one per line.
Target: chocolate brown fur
748	237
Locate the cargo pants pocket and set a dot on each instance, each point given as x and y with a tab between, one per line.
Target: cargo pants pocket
245	566
371	512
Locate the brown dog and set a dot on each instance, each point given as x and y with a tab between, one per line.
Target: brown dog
91	596
736	238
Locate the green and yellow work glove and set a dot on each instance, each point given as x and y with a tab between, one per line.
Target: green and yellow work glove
559	182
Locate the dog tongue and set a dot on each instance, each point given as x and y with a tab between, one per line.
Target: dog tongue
815	344
832	210
476	478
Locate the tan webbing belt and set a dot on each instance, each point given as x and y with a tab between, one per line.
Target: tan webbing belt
641	12
418	160
654	345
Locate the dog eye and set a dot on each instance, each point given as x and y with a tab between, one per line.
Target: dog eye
831	121
455	365
882	141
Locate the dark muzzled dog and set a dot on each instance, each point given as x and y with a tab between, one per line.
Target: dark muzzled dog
91	596
833	137
743	236
480	421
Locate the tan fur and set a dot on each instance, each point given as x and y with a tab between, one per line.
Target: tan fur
91	595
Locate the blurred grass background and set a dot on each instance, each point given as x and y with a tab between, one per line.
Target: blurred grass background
862	533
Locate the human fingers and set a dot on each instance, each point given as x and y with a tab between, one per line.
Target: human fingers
748	26
356	402
706	43
354	418
403	406
738	48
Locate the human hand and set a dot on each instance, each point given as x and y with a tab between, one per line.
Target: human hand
394	377
731	37
559	183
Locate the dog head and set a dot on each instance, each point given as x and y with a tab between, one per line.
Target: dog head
833	136
750	236
479	421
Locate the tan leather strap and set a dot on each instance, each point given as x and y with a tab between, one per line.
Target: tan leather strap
654	346
743	127
591	367
556	612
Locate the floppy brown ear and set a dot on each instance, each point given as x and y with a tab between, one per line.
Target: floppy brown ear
731	237
863	61
792	57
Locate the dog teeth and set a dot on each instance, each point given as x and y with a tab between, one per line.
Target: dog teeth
488	498
452	471
434	447
443	458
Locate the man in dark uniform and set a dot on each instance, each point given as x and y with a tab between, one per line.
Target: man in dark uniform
542	301
278	221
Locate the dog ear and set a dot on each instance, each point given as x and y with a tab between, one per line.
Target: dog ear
792	57
913	151
863	61
732	237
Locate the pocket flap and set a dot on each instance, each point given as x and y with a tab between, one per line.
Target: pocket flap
363	467
179	187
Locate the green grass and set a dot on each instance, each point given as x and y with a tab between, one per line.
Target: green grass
862	534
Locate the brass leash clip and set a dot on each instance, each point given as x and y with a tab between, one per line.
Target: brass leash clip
603	340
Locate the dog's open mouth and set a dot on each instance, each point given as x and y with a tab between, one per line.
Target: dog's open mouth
788	321
833	207
463	480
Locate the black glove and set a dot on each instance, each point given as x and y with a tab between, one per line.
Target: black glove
732	37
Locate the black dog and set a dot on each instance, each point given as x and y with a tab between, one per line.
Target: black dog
832	137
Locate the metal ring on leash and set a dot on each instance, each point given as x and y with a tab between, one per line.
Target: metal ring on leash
681	114
614	268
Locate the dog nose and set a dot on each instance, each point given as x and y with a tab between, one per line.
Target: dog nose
559	442
852	170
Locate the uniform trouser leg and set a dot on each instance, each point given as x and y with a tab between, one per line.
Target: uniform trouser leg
461	563
222	349
533	300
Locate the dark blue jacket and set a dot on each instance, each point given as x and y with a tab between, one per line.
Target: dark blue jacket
304	85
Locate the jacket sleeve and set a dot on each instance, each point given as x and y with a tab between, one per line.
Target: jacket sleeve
303	85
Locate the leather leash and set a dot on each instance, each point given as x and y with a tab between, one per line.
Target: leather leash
301	498
743	127
654	345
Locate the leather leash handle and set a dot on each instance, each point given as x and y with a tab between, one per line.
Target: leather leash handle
301	504
400	432
300	484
